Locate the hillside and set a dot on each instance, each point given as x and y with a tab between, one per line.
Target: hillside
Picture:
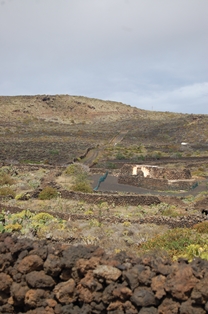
65	109
57	129
69	247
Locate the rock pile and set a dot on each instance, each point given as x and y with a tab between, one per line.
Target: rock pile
56	278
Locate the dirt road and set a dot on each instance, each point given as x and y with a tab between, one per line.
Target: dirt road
94	153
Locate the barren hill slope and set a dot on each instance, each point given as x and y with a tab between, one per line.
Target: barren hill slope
64	109
58	128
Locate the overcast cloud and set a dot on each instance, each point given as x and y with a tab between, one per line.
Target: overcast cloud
151	54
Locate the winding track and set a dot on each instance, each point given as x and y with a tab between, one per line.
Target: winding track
92	154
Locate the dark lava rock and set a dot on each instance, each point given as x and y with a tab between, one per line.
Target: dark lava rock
143	296
38	279
42	277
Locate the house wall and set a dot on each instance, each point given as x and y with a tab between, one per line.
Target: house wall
153	177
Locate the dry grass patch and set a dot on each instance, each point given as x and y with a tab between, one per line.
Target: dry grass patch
7	192
202	227
6	179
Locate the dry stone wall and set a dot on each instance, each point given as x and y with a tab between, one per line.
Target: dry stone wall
156	184
40	277
96	198
156	178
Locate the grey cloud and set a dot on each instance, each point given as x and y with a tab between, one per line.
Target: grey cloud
128	49
188	99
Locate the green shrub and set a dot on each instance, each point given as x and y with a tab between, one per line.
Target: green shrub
79	173
48	193
174	241
23	215
82	176
73	169
7	192
196	250
82	186
13	227
42	217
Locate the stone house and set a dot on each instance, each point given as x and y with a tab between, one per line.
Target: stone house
155	177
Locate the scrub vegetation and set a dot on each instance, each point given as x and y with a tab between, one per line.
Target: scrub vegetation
53	145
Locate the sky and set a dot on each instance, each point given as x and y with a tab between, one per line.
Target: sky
150	54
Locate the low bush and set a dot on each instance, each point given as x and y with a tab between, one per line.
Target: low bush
13	227
42	217
196	250
175	241
79	173
76	169
48	193
82	186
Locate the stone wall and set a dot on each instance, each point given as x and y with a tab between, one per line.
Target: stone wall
42	277
155	172
169	174
156	178
116	199
156	184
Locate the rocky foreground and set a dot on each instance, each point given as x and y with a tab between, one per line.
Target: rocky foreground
46	277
